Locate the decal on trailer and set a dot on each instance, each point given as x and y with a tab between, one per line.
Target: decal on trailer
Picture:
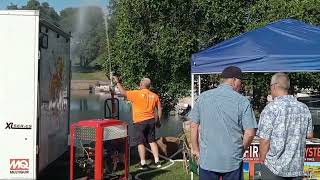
56	92
19	166
11	125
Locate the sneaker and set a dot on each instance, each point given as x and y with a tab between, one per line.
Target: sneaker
143	167
158	164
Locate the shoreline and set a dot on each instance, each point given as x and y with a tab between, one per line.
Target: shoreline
88	84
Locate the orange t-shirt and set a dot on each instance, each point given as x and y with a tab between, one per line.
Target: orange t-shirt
143	103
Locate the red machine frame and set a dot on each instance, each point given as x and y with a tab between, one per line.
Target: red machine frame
98	124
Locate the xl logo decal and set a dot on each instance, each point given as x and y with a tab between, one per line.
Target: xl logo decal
11	125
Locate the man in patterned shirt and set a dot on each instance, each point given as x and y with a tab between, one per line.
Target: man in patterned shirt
284	125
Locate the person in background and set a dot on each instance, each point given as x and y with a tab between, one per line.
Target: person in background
227	125
144	102
284	125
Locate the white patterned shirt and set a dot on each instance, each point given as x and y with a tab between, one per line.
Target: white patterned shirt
285	122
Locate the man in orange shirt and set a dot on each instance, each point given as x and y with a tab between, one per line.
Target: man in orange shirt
144	102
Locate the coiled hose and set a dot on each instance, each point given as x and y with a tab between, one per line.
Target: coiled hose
165	167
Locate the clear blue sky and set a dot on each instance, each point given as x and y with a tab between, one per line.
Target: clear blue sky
57	4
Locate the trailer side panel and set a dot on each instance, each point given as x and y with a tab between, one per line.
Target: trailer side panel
18	93
54	79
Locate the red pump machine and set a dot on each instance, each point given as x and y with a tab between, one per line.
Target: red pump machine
99	149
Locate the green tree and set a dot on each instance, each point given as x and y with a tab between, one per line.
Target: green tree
92	36
32	4
85	24
49	13
12	6
69	19
87	27
156	38
46	11
262	12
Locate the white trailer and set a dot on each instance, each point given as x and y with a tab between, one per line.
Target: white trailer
34	93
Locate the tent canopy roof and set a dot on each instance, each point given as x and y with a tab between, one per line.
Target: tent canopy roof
286	45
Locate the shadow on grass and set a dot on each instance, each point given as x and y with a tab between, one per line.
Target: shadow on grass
134	163
59	169
153	174
134	171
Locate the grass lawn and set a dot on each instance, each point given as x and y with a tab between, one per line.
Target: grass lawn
97	75
175	172
246	176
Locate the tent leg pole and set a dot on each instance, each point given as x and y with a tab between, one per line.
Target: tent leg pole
199	84
192	90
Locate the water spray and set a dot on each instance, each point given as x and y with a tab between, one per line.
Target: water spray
112	88
106	12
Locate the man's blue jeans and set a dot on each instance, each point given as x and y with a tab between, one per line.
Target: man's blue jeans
233	175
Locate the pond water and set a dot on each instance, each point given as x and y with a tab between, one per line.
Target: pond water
86	106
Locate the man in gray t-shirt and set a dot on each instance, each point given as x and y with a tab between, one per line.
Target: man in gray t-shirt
284	125
227	128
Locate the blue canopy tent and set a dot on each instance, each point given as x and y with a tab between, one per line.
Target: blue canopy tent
283	46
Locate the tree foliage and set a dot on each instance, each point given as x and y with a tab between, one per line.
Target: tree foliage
46	11
155	38
91	35
86	25
69	19
262	12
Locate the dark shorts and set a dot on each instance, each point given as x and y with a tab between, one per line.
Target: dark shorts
267	174
210	175
144	132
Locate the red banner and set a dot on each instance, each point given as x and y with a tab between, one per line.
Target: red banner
252	154
312	153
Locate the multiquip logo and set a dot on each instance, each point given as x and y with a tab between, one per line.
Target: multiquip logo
19	166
